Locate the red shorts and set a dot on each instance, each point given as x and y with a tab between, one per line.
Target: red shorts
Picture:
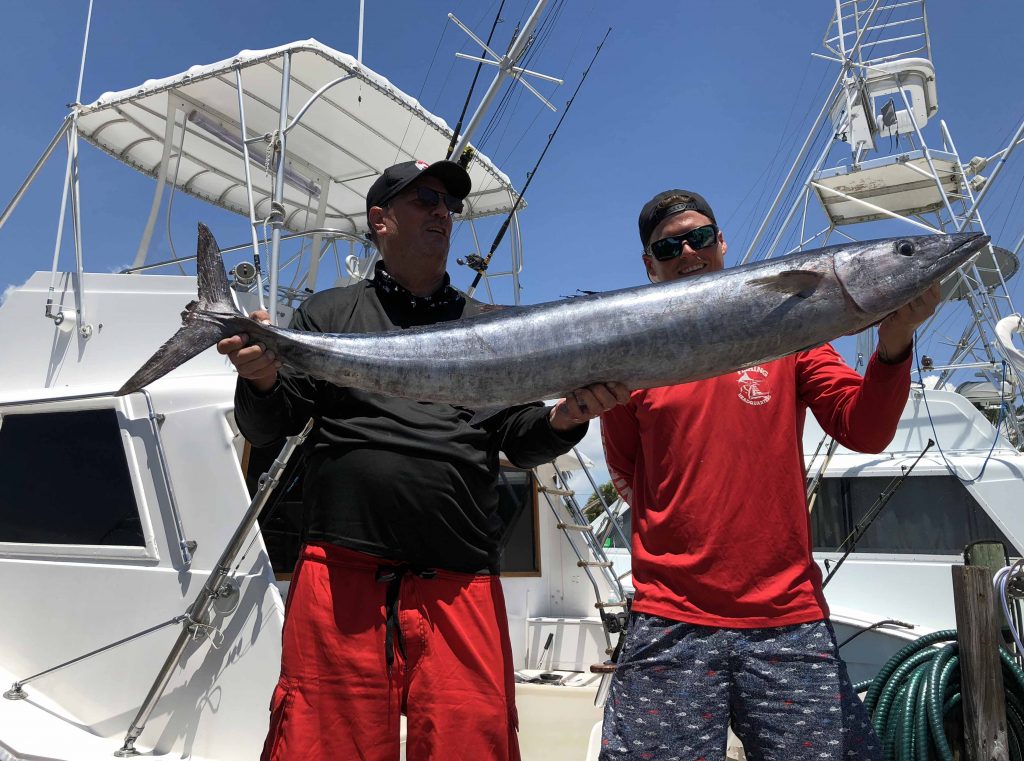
338	698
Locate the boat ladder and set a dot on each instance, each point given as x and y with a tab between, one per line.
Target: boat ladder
585	544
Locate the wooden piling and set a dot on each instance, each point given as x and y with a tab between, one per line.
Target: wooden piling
981	674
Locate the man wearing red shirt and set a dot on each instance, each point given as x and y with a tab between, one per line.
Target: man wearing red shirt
729	623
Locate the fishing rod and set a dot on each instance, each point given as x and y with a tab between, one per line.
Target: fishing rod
465	106
480	263
869	517
815	484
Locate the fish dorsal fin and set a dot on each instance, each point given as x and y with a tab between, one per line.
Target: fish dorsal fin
800	283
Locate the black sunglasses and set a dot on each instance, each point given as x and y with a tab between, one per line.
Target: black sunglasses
671	247
430	198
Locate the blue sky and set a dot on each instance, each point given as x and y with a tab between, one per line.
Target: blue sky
711	96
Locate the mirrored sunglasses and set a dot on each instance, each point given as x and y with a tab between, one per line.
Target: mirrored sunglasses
671	247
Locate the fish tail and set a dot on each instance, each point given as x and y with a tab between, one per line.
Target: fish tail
214	291
199	332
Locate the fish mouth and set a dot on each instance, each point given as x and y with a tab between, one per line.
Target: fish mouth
970	244
966	246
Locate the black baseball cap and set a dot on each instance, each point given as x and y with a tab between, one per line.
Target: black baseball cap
660	208
395	179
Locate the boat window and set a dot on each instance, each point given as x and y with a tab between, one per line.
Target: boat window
928	515
517	505
64	479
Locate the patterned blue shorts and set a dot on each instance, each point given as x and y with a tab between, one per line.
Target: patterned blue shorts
784	690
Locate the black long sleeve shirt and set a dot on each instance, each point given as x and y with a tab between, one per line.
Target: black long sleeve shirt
392	477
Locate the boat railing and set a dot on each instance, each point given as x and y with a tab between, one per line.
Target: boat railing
219	586
331	233
891	30
326	177
220	594
247	278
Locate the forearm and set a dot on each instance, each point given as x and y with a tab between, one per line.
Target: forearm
264	418
895	342
528	439
872	412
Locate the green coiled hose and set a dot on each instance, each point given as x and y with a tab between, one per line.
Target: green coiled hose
919	686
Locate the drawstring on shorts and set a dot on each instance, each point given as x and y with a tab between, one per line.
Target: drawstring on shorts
392	576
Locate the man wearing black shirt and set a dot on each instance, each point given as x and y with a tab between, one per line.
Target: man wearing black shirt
395	605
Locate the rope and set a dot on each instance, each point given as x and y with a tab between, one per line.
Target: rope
200	629
1001	581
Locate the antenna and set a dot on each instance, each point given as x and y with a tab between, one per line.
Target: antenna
507	67
362	14
480	263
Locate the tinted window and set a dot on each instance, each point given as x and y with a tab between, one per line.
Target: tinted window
64	480
928	515
518	509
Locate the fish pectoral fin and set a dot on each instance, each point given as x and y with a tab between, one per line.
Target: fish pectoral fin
800	283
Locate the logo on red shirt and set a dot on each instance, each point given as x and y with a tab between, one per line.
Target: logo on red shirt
754	388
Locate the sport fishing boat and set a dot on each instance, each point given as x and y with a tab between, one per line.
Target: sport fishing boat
890	165
142	601
129	627
880	161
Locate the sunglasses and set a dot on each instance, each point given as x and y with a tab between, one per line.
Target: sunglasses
429	198
697	238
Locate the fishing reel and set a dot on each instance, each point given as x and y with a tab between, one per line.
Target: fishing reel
615	622
474	261
244	275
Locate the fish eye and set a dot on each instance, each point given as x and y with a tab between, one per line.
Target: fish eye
905	248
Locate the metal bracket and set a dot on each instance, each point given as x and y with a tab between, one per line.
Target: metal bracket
127	750
223	603
227	598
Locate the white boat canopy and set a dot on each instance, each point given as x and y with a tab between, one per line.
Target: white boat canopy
344	139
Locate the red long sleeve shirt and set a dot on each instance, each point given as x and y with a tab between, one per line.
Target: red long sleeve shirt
714	474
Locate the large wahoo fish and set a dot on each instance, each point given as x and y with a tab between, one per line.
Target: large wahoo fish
653	335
